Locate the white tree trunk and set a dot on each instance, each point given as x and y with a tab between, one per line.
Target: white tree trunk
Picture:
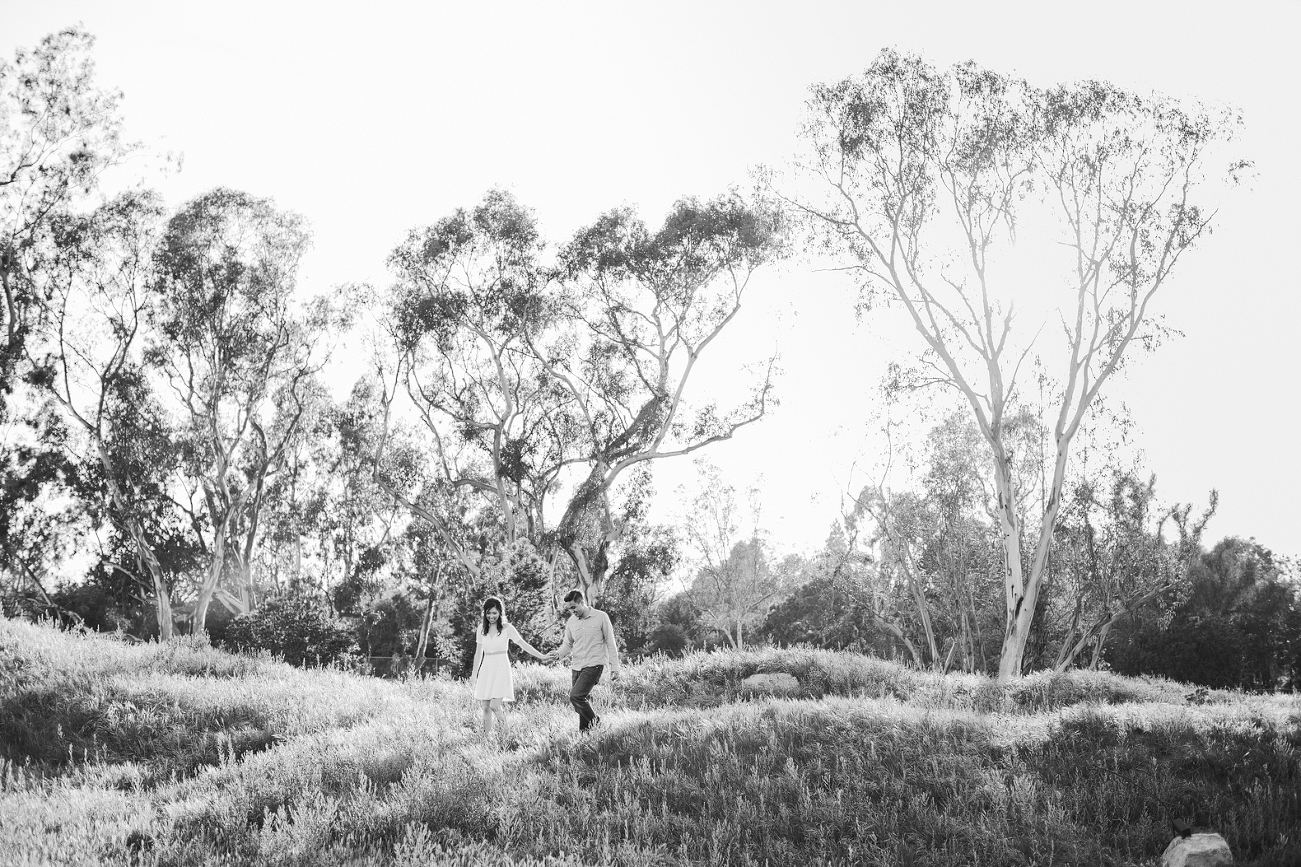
162	599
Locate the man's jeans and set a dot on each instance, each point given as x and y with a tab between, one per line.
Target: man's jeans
581	683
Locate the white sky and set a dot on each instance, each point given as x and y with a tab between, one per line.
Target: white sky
370	123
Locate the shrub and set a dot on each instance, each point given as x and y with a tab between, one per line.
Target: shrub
296	627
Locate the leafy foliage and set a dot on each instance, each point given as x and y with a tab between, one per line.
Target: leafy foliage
296	627
1236	623
59	130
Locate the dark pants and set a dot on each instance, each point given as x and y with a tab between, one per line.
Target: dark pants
581	683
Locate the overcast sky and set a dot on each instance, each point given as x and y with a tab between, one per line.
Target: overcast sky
370	123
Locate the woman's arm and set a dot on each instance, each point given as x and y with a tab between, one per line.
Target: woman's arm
519	639
478	658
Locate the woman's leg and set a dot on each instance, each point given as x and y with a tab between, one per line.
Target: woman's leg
499	710
487	718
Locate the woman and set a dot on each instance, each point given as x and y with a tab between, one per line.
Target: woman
493	685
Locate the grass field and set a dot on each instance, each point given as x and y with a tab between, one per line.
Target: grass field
180	754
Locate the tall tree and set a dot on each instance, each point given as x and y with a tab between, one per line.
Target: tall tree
58	132
240	360
735	584
650	553
932	544
95	278
355	524
641	308
468	290
927	173
544	387
904	528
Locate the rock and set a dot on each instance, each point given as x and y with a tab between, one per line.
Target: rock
1197	850
776	683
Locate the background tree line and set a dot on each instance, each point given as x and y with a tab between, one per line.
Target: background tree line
171	420
179	457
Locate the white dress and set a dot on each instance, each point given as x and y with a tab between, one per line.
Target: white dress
493	679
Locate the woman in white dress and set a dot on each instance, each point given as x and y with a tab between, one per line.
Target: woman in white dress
493	683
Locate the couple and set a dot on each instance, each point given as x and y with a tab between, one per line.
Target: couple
589	643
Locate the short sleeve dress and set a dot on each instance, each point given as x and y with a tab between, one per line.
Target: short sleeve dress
494	675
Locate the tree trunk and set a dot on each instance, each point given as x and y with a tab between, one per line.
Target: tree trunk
948	657
924	614
978	639
968	655
1023	590
162	599
144	551
1062	655
424	635
1097	648
1096	631
915	588
592	571
1020	607
10	354
210	581
893	629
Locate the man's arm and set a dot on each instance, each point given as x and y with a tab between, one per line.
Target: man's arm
566	645
612	648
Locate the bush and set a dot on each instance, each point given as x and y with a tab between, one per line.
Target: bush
297	627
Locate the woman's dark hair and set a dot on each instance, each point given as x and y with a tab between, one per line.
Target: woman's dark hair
490	603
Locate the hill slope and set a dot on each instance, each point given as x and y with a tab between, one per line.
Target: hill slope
180	754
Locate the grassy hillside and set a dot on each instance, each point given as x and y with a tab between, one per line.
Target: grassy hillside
183	755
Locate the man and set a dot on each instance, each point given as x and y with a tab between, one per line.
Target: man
589	644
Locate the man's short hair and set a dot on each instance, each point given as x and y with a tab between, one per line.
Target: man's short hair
575	596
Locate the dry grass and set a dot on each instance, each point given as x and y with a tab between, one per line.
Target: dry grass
183	755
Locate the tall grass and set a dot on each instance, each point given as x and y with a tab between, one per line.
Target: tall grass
179	754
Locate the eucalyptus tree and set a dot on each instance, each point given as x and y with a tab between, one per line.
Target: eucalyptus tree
40	516
310	492
356	527
735	584
468	289
927	175
540	387
95	276
904	529
1113	556
59	130
240	356
930	545
640	308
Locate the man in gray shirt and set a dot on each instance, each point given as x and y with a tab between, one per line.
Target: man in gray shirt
589	643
